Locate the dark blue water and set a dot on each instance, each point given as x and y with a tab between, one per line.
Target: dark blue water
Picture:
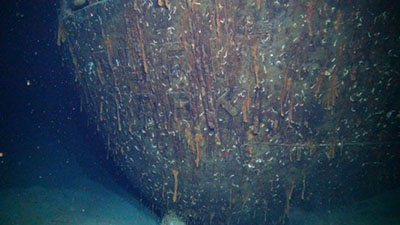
53	168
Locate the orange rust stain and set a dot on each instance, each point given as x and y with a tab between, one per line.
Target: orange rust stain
61	34
275	124
325	6
256	70
338	20
289	193
332	93
118	114
217	20
175	173
99	72
250	133
119	120
199	140
250	149
167	5
312	147
285	83
254	50
290	116
245	108
319	82
108	42
75	62
245	199
217	140
340	49
255	65
101	111
189	137
76	65
353	73
310	12
141	43
332	149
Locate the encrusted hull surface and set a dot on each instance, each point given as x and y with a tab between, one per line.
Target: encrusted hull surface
230	112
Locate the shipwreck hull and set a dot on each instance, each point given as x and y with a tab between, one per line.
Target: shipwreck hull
229	112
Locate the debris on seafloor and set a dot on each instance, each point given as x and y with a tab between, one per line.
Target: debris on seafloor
172	219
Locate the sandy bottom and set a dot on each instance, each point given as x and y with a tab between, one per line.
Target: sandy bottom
87	204
90	203
55	178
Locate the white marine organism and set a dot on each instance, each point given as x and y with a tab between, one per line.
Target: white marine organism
172	219
78	3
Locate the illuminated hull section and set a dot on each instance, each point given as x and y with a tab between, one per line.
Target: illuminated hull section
230	112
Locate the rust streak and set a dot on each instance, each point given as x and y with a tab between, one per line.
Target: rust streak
141	43
175	173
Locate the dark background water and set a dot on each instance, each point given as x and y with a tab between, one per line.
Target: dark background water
37	93
53	168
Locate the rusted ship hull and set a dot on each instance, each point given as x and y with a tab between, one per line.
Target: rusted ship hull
229	112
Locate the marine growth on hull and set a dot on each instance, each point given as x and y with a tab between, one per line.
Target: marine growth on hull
232	112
